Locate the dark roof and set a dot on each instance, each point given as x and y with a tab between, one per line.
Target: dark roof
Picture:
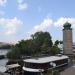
4	73
67	25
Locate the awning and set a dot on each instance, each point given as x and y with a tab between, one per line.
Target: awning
32	70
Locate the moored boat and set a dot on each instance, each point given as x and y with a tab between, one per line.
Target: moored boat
36	66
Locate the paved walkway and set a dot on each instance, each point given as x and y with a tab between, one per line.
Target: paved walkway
69	71
4	73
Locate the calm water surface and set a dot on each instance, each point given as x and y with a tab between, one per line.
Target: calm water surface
3	61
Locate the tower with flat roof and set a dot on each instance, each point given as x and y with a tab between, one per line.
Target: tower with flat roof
67	39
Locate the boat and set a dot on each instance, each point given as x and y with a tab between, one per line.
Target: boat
2	56
13	69
36	66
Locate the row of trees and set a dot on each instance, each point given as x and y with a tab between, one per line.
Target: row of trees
40	43
7	46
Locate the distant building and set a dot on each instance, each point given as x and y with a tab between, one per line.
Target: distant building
67	39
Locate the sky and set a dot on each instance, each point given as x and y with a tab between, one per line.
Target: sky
21	18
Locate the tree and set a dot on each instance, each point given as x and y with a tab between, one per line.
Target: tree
42	41
61	42
55	50
42	37
7	46
24	47
57	42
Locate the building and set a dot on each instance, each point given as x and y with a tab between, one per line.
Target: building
36	66
67	39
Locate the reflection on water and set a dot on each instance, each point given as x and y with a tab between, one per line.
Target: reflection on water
2	65
3	51
3	61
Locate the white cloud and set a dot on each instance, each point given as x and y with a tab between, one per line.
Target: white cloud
10	25
48	22
3	2
42	26
22	5
62	20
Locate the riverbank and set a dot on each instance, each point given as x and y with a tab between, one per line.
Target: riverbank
3	60
3	64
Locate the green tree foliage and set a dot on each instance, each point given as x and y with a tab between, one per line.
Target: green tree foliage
61	42
57	42
40	43
55	50
42	37
7	46
23	48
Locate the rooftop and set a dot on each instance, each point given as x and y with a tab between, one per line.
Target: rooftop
46	59
67	25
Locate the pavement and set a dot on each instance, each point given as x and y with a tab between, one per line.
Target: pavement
4	73
69	71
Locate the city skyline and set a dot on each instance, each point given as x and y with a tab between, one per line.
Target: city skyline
21	18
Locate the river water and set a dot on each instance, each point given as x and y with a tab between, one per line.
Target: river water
3	61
